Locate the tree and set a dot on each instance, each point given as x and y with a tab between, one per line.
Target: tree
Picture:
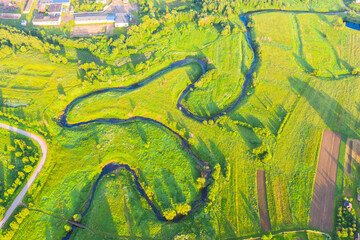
77	217
67	228
216	172
200	182
355	71
169	214
183	208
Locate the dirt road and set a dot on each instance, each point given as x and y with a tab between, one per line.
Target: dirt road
322	206
36	172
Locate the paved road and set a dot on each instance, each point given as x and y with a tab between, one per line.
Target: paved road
21	195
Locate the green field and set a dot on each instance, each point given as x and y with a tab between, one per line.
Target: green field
305	81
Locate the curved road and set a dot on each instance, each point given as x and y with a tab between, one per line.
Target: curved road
21	195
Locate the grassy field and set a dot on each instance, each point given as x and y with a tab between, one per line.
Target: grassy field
296	106
216	95
75	157
294	95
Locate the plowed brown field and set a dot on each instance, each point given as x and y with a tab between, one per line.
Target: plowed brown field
262	201
322	206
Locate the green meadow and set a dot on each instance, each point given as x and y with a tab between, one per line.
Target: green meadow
304	82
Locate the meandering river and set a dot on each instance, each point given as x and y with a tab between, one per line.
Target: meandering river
113	166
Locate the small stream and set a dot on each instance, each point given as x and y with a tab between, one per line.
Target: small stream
113	166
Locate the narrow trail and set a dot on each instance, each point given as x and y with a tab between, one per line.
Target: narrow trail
20	196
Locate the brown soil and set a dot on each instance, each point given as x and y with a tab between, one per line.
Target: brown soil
262	201
322	206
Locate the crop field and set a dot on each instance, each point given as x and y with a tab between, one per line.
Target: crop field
324	187
304	81
263	208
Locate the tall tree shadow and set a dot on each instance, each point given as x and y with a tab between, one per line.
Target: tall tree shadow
173	187
331	112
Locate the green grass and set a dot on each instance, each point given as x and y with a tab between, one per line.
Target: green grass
215	96
310	104
11	165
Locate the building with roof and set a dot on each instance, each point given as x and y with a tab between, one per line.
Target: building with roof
28	6
48	2
10	15
63	2
41	8
46	20
122	20
55	9
94	18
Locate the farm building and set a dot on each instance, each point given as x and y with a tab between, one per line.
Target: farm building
10	15
28	6
347	204
94	19
46	20
48	2
42	8
55	9
122	20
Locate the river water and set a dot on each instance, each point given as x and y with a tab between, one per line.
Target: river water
111	167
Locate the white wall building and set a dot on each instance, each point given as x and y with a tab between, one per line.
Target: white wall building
55	9
94	19
46	20
122	20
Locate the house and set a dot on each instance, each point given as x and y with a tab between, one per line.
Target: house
28	6
122	20
55	9
23	23
42	8
48	2
94	18
10	15
347	204
63	2
46	20
357	236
